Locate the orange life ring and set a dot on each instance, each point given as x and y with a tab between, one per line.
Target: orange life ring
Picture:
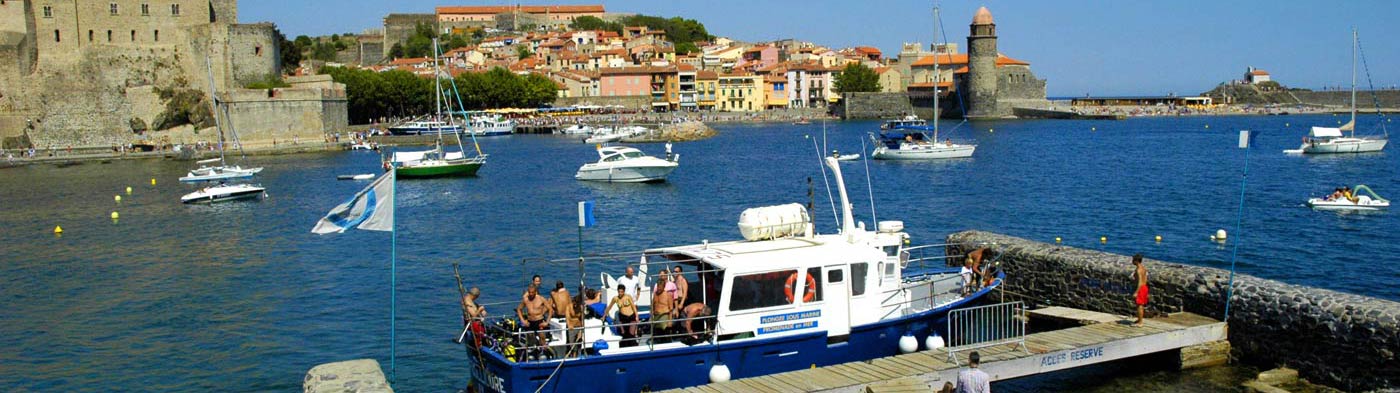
810	290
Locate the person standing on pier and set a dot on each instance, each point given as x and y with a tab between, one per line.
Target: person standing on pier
973	379
1141	273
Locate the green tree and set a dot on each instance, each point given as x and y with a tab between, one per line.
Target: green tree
456	41
291	52
396	51
685	48
521	52
303	42
595	23
856	77
323	51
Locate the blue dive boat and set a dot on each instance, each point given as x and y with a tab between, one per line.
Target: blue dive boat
782	299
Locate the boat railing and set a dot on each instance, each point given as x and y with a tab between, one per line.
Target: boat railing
516	344
986	326
941	290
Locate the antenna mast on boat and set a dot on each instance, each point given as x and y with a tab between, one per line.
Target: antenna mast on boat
936	73
437	97
214	103
1354	44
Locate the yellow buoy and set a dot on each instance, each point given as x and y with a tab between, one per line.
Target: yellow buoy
115	215
117	198
1103	239
1057	240
153	181
57	229
1158	238
128	190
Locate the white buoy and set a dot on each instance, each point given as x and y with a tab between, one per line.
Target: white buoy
1219	235
908	344
934	341
719	373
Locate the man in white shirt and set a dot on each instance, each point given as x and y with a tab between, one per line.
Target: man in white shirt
966	273
630	281
974	380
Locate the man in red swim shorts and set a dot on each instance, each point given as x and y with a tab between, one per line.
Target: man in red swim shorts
1140	272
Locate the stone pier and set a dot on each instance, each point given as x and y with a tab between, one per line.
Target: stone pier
351	376
1338	339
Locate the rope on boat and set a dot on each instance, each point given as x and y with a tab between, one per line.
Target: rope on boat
556	370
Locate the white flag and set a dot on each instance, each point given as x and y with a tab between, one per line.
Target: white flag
372	209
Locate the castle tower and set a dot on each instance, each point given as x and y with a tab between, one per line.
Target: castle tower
981	66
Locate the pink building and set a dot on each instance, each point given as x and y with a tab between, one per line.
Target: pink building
624	81
758	57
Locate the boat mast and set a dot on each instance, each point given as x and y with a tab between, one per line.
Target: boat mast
437	97
214	104
936	74
1353	82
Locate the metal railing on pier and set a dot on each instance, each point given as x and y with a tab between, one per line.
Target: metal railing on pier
986	326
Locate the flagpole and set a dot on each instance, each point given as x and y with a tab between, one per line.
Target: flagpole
1239	220
393	272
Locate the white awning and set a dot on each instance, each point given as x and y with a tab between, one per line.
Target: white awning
1325	132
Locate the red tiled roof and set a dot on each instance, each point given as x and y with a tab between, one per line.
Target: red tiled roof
685	67
867	50
1259	72
961	58
707	75
534	9
411	61
930	84
635	70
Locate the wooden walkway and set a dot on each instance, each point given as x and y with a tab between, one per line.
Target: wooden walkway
1102	339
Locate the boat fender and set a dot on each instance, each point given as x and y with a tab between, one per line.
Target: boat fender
719	373
908	344
811	293
934	341
600	345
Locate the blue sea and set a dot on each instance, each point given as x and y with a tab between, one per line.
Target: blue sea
242	297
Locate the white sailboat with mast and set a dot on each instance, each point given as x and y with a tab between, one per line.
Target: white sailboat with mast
1327	140
912	142
222	171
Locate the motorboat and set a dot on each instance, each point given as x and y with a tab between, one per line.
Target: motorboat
224	193
576	129
364	145
844	157
614	134
490	126
362	176
913	143
781	298
621	164
207	172
1327	140
421	127
1371	201
906	121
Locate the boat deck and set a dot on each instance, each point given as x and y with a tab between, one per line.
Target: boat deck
1102	338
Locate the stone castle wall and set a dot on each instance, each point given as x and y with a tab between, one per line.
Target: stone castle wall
286	114
398	27
982	75
1364	100
1340	339
879	106
254	52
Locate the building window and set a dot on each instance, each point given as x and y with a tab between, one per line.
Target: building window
133	36
257	50
145	9
89	35
156	36
109	36
48	11
113	8
56	36
175	9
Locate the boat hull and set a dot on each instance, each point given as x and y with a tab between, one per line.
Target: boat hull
425	130
643	174
1350	145
690	366
926	153
217	194
1342	204
221	175
443	170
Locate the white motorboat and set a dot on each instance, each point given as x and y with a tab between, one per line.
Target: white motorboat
906	121
364	145
425	127
614	134
218	172
621	164
490	126
1356	202
844	157
1326	140
224	193
577	129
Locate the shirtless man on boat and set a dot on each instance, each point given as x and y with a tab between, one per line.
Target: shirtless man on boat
564	308
534	313
663	307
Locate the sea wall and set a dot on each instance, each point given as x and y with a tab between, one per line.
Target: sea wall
1364	100
283	114
876	106
640	103
1339	339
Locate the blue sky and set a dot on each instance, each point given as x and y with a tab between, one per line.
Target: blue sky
1081	47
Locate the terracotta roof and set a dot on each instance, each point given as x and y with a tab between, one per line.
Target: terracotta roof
685	67
775	78
635	70
961	58
534	9
759	48
1259	72
579	76
983	17
881	70
707	75
930	84
867	50
962	70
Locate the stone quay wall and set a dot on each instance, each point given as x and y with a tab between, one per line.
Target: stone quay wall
1364	100
286	113
1343	340
880	106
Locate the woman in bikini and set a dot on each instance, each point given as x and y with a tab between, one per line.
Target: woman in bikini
626	312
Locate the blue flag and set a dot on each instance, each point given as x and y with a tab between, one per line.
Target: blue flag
1247	138
371	209
585	214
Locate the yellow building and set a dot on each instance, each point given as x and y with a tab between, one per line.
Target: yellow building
707	89
740	92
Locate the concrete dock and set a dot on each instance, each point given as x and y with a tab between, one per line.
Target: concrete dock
1099	338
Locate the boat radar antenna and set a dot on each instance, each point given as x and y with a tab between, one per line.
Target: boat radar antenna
848	225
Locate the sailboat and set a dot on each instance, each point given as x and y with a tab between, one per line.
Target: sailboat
222	171
436	162
911	141
1325	140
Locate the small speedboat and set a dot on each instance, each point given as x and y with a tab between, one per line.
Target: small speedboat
218	172
223	193
1357	202
621	164
576	129
844	157
364	145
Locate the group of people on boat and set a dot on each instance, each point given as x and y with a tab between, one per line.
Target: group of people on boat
673	310
1340	193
